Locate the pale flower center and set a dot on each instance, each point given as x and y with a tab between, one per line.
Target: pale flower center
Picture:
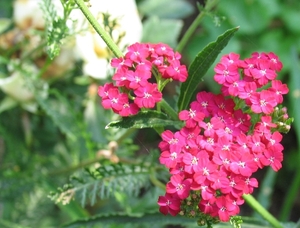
241	164
194	161
263	102
147	95
114	100
205	171
173	156
179	187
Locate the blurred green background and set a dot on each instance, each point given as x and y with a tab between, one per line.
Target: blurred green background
29	172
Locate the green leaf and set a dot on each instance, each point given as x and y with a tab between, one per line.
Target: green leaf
289	16
60	111
56	29
7	103
166	9
122	218
251	16
144	119
294	109
103	183
294	87
8	224
199	67
5	23
266	190
159	220
96	119
157	30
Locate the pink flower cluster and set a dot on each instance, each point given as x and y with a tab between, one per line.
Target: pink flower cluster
256	72
134	87
217	151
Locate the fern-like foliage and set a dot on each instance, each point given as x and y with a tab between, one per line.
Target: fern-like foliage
103	182
56	28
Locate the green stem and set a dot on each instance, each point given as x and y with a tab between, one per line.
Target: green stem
252	202
126	135
291	195
86	163
159	130
208	6
266	190
27	129
73	168
164	83
106	38
46	65
155	181
168	109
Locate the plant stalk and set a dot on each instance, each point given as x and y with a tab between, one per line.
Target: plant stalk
155	181
290	197
103	34
208	6
252	202
168	109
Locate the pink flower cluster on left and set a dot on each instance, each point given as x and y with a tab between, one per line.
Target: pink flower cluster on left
133	89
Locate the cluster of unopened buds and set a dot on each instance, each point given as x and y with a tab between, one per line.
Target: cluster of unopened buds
134	87
226	138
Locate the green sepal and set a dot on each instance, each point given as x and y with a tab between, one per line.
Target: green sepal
200	65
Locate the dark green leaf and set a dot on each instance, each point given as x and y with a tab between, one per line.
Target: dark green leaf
199	67
146	119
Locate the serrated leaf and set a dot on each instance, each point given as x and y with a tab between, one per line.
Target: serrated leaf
200	65
103	182
145	119
122	218
158	220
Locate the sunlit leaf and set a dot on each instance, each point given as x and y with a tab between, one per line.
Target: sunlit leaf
145	119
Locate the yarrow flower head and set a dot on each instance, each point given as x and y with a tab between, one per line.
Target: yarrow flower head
225	140
135	72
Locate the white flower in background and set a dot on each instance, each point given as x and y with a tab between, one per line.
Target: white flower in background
15	87
18	90
89	45
28	13
29	17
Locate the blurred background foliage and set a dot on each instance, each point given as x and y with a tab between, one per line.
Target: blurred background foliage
41	150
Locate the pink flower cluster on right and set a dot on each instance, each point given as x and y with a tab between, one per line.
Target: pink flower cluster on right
217	151
257	71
